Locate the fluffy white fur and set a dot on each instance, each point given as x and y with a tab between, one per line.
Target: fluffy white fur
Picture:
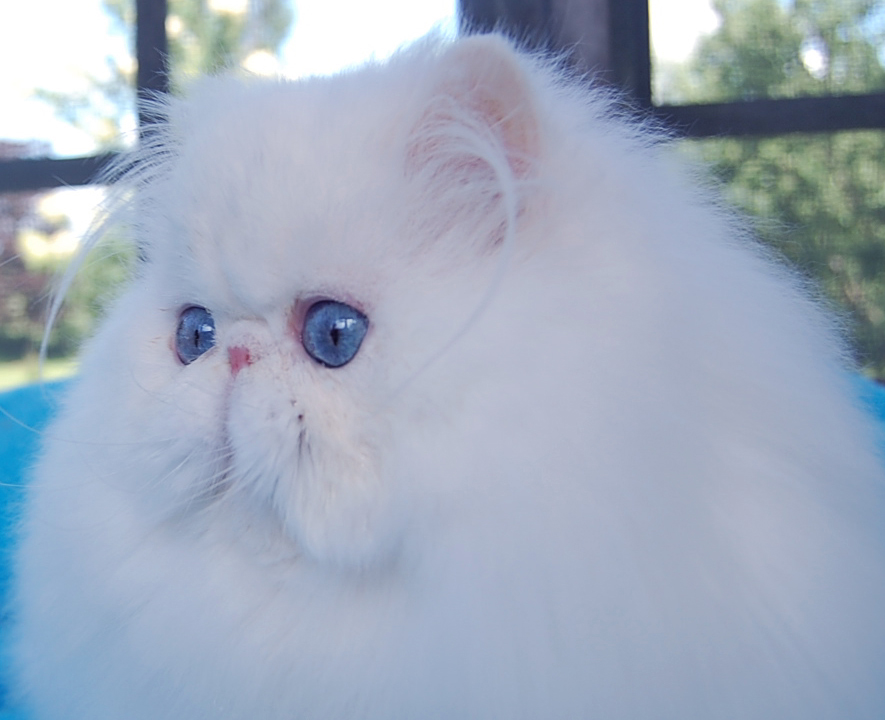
596	458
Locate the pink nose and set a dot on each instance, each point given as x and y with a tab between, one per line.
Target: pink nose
239	357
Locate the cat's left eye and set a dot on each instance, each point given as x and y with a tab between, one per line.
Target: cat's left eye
195	334
333	332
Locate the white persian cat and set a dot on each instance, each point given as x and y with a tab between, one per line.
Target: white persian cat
442	392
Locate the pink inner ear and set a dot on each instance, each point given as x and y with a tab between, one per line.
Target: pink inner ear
483	83
518	131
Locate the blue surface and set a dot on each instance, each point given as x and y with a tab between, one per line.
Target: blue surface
23	415
873	396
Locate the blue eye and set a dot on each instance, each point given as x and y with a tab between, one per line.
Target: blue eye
195	334
333	332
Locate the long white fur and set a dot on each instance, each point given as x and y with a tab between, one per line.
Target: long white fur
598	457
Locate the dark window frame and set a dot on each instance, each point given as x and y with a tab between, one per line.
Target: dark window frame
151	54
534	21
629	30
629	67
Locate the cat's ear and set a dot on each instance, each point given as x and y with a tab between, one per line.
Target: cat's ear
486	77
480	127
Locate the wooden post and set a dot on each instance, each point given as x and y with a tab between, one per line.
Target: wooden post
608	39
582	27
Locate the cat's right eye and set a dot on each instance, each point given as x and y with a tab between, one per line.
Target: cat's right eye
195	334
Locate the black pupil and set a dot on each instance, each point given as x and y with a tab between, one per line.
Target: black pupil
199	330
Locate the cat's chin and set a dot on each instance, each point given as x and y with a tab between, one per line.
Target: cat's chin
312	468
339	515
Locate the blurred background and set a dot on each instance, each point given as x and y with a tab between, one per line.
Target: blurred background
67	88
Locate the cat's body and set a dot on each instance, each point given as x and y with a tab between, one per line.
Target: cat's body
595	456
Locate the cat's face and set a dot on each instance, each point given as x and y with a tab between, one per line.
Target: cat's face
303	266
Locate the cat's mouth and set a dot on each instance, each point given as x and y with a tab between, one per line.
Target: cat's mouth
311	470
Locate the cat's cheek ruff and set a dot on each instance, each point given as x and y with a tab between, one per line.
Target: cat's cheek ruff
167	431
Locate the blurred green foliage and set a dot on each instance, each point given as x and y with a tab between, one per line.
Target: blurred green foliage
819	199
29	283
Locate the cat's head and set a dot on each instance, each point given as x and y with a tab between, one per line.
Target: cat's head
310	250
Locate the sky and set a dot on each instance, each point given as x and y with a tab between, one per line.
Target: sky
53	43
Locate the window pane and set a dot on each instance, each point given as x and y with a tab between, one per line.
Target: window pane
750	49
65	84
295	39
